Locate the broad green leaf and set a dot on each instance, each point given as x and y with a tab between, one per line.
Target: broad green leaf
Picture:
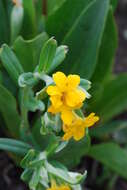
112	98
8	109
11	63
107	51
47	55
111	155
71	155
83	50
14	146
16	21
108	128
29	22
53	5
4	29
62	19
28	51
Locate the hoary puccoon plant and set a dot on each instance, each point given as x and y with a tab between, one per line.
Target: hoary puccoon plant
50	51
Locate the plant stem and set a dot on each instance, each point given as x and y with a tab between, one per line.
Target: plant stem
25	132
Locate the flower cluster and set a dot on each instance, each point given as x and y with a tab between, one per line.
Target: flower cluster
61	187
66	96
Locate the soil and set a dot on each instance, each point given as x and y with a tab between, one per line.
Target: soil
10	174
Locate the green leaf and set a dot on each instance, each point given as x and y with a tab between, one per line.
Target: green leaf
111	155
4	30
16	21
108	128
59	57
53	5
33	159
71	155
61	146
14	146
28	51
42	94
50	123
112	99
33	104
114	4
47	55
69	177
35	178
28	157
8	109
11	63
107	51
27	79
26	175
61	20
85	84
29	21
83	51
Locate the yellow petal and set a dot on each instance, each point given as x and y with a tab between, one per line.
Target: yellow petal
64	187
53	90
67	136
56	101
74	98
53	110
67	116
81	94
61	187
79	132
73	81
90	120
61	80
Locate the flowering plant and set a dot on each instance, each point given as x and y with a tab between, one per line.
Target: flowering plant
46	101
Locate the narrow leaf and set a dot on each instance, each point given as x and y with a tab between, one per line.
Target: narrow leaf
47	55
59	57
14	146
11	63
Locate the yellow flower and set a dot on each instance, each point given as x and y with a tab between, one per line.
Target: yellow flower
55	187
65	96
77	128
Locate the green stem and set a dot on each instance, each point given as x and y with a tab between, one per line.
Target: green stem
25	132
